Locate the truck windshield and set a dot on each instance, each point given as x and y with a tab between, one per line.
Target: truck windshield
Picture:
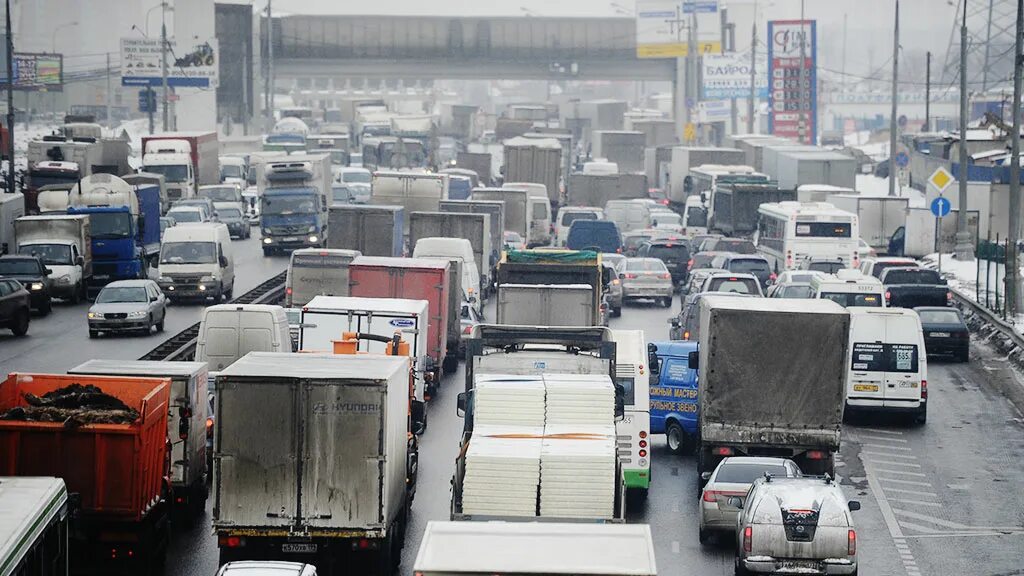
119	294
284	205
222	194
697	216
188	253
110	225
43	178
232	171
854	299
358	176
57	254
173	173
20	267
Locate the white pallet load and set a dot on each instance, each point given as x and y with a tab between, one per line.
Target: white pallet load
502	471
585	399
578	471
508	400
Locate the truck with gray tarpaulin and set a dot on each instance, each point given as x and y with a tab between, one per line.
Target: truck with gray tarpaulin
762	395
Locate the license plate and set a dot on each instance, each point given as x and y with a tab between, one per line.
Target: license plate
865	387
290	239
299	548
799	564
940	334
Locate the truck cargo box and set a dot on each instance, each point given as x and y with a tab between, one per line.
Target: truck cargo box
116	469
495	210
735	210
546	305
371	230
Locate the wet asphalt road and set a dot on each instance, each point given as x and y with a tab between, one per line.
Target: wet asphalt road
946	498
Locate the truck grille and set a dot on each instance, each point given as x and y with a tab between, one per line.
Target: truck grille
101	269
299	229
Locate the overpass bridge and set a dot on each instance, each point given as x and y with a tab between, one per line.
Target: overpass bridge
521	48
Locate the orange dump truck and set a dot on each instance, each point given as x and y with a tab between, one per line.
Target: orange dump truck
115	472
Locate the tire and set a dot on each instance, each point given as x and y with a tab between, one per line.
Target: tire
666	302
616	312
450	364
94	334
46	307
738	568
703	536
921	418
964	356
675	437
266	252
20	325
160	324
385	559
76	294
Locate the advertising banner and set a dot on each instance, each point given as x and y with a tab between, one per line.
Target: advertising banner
793	90
194	66
662	27
35	72
728	76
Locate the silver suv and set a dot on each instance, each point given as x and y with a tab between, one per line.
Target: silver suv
795	526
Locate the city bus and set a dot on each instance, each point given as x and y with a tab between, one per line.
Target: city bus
633	431
33	526
790	233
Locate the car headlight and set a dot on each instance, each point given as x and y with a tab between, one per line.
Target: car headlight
65	279
138	314
164	280
267	240
207	279
313	238
37	285
95	315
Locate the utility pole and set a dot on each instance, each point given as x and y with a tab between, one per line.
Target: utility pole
110	121
964	249
753	76
691	68
728	44
163	58
893	125
270	67
988	43
805	81
10	99
843	69
246	69
928	92
1013	284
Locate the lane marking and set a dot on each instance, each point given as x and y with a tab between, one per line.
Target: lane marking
882	438
916	502
888	454
887	514
881	431
901	472
1016	532
931	519
890	463
887	447
910	482
918	527
918	492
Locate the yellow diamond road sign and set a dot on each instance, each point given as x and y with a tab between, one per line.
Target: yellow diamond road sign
941	179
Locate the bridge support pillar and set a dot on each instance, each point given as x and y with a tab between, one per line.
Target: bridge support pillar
679	91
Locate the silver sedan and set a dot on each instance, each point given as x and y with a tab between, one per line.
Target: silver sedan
646	278
128	306
732	479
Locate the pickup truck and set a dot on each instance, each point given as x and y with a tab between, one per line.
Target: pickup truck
910	287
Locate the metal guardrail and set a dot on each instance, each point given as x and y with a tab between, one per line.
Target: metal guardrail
182	346
990	317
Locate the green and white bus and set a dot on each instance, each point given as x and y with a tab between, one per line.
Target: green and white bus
33	527
633	431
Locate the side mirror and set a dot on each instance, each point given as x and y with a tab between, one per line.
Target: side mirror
735	502
323	202
674	321
460	404
653	362
155	263
223	262
705	476
418	415
854	505
693	359
47	271
80	261
184	412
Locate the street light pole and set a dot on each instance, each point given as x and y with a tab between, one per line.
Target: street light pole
963	238
163	58
10	99
1013	284
893	125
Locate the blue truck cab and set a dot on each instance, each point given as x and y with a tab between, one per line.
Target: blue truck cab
292	218
124	222
674	395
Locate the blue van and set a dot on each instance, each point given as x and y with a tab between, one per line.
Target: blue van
597	235
674	396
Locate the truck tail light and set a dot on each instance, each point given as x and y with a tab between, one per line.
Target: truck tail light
748	537
815	455
643	453
467	329
642	434
686	335
643	443
851	542
231	541
723	451
924	389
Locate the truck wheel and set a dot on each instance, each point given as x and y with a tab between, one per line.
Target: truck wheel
46	307
964	355
675	437
450	364
703	536
385	559
266	251
921	418
76	294
616	312
20	325
738	568
229	294
666	302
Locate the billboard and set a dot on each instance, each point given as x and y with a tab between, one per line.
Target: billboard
194	66
728	76
662	27
793	90
35	72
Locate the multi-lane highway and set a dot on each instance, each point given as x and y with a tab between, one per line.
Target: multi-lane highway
938	499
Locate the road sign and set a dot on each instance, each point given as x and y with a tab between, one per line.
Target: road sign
902	160
700	6
902	121
940	179
690	132
662	28
940	207
147	100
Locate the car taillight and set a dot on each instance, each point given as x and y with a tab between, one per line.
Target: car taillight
773	277
888	296
618	250
949	297
686	335
665	276
630	276
815	455
288	291
710	496
924	389
689	263
467	329
723	451
851	542
748	537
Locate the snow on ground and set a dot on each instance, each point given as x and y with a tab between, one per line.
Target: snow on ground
978	284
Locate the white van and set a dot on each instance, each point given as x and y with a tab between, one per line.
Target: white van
229	331
629	215
317	272
458	249
888	368
695	217
539	209
849	287
196	262
568	214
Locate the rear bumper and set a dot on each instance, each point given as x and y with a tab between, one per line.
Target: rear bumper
896	407
648	292
772	565
946	345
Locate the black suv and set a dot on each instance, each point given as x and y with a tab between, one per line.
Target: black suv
675	253
33	274
14	306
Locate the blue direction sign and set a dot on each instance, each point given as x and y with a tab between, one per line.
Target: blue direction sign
700	6
902	160
940	207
